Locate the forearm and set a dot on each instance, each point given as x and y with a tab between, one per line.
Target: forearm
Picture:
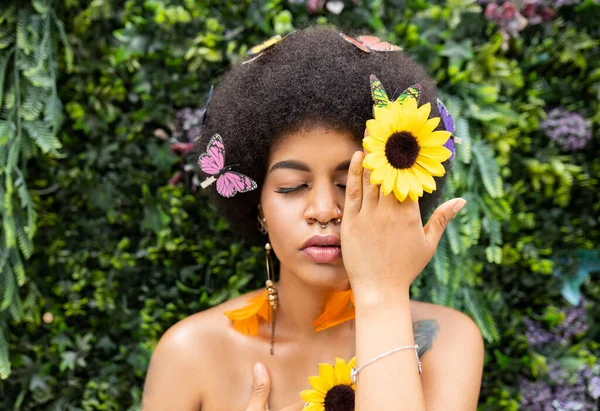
383	322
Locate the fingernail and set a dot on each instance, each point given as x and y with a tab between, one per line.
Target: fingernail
257	370
458	205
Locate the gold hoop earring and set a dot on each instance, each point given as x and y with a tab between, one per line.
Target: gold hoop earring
271	292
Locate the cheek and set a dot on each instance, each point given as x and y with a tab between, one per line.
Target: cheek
282	214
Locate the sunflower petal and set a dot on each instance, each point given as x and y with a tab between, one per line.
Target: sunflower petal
378	130
375	160
389	180
416	185
319	384
312	396
314	407
342	372
425	178
378	174
432	166
428	127
439	153
410	183
435	139
373	144
422	114
413	196
409	108
326	372
402	185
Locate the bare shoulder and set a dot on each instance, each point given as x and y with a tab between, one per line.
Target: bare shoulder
453	366
182	361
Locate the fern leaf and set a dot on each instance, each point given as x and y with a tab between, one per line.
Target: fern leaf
453	236
25	244
7	41
43	137
32	105
488	168
10	97
3	64
465	148
41	79
441	262
23	42
3	255
10	231
18	268
218	297
40	7
482	315
4	363
456	275
7	131
53	111
9	286
65	42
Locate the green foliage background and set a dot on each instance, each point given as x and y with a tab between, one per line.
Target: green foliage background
99	255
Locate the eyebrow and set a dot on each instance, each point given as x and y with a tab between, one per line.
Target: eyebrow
297	165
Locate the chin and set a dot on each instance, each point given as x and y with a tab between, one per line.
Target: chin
323	275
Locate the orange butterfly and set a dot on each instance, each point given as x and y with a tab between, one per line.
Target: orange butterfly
370	43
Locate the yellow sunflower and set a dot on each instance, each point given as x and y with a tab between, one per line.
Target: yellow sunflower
333	389
404	150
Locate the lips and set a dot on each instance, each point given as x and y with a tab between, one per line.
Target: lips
323	248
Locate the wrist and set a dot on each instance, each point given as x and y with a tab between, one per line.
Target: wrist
373	298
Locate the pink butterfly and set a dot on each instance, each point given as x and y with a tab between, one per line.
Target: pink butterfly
229	183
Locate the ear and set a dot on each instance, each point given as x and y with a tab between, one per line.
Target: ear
262	221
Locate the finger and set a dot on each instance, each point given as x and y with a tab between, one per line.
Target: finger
370	191
440	219
354	194
261	388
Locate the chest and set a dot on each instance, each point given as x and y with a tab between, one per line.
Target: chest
230	387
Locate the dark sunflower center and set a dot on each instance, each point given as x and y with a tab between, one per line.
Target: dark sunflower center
340	398
402	150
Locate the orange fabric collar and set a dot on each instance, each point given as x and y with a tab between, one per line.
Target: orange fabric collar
338	309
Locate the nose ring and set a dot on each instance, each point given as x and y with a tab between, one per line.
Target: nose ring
324	226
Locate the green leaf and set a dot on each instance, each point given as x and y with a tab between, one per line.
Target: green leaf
42	136
488	168
4	363
481	315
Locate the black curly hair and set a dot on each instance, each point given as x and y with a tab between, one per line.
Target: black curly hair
312	77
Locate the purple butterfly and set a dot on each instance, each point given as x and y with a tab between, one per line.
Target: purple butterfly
229	183
449	126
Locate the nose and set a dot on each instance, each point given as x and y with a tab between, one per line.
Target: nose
323	204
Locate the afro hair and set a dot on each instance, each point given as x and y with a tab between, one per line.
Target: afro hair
311	77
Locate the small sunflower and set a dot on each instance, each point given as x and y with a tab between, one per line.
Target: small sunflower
333	389
404	150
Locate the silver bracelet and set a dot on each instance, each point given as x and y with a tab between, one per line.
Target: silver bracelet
355	371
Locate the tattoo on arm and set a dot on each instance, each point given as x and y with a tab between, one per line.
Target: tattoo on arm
425	332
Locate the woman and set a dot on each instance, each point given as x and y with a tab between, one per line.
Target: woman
282	138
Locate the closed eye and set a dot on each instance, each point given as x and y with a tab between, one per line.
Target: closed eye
289	190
